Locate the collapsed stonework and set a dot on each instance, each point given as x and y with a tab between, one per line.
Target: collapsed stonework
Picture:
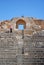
15	50
30	24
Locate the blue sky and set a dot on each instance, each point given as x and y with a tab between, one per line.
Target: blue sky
18	8
21	27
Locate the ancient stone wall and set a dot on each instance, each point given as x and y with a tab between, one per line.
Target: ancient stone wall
30	25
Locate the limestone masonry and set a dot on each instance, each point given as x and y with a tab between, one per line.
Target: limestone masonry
22	47
30	24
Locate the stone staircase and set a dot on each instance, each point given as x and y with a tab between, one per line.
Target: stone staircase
17	51
8	49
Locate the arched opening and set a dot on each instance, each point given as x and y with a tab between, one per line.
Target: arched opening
20	24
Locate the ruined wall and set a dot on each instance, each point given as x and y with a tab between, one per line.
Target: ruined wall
40	22
31	24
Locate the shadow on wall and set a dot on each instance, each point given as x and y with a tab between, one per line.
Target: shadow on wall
21	23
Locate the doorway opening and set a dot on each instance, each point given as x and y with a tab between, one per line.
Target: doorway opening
21	27
21	24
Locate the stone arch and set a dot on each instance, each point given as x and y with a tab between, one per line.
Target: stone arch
22	22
